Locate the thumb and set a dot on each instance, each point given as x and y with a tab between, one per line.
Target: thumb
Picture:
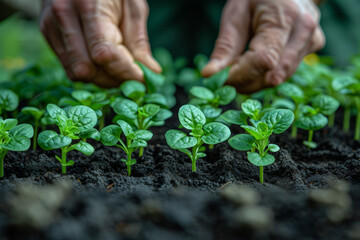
232	39
133	27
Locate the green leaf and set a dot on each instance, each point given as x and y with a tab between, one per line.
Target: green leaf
17	143
283	104
186	151
211	112
110	135
273	147
202	93
190	117
24	129
177	139
69	163
126	108
263	128
217	80
138	143
311	145
215	133
235	117
200	155
81	95
253	132
125	127
278	120
90	133
255	159
54	111
340	83
292	91
84	147
313	123
83	117
132	162
162	115
153	80
8	100
325	104
133	89
149	110
143	135
33	111
251	107
49	140
9	124
225	94
242	142
157	98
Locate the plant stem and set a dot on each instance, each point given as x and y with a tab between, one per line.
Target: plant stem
347	115
261	174
102	122
63	159
357	127
331	120
127	163
311	134
293	131
2	156
211	146
141	151
194	154
36	127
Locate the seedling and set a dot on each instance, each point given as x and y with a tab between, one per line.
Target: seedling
13	137
256	141
213	95
75	124
313	117
9	101
193	119
111	136
96	101
37	114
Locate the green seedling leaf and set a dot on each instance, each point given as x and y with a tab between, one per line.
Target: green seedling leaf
81	95
84	147
110	135
8	124
17	143
325	104
190	117
201	155
282	103
313	123
342	82
132	162
143	135
125	127
69	163
235	117
179	140
33	111
309	144
253	132
9	101
49	140
217	80
225	94
211	112
133	89
126	108
54	111
292	91
149	110
242	142
25	130
202	93
186	151
90	133
138	143
257	160
215	133
279	120
273	147
157	98
153	80
162	115
83	117
263	128
251	107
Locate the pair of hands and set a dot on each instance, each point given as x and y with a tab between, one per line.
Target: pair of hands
97	41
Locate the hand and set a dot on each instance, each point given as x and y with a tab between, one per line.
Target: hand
279	33
97	41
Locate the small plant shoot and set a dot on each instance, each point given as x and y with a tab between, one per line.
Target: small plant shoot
111	136
262	125
75	124
13	137
9	101
193	119
36	114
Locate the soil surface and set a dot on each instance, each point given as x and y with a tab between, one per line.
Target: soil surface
307	194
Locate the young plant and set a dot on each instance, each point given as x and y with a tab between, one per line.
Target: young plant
75	124
314	117
111	136
256	141
37	114
213	95
96	101
193	119
9	101
13	137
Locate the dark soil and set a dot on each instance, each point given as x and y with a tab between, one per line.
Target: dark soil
163	199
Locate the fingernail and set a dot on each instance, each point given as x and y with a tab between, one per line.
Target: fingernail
211	68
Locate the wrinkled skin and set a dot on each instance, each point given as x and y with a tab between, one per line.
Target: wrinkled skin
279	33
97	41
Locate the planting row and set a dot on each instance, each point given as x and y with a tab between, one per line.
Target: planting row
308	100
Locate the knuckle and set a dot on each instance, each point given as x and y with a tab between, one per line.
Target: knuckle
101	53
223	47
292	9
81	71
60	8
268	58
308	22
85	6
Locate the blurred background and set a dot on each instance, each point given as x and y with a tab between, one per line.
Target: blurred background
184	27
